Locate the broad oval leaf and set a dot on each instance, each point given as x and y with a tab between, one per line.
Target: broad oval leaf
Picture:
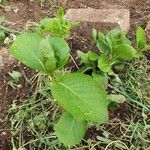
124	51
37	52
61	50
70	130
140	38
25	49
81	96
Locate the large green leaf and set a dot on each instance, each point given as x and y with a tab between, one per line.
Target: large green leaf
140	38
25	49
61	50
124	51
37	52
81	96
104	64
70	130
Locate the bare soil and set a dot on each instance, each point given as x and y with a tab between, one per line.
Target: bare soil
140	15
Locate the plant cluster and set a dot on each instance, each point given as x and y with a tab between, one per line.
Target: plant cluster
83	97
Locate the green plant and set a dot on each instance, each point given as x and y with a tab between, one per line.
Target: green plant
57	26
83	99
15	77
141	42
114	48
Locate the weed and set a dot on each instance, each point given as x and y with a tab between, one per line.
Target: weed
15	77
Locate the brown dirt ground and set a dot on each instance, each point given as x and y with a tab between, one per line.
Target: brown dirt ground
140	14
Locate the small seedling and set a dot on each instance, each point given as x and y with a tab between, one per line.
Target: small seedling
114	49
57	26
15	77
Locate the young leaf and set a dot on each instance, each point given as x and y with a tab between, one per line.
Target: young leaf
118	37
25	49
81	96
104	64
92	56
70	130
140	38
102	43
83	57
61	50
124	51
87	58
47	55
15	75
57	26
60	12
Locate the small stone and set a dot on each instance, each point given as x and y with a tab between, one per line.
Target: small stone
19	86
100	19
147	29
3	133
5	58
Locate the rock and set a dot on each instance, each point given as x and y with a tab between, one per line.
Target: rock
100	19
5	58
